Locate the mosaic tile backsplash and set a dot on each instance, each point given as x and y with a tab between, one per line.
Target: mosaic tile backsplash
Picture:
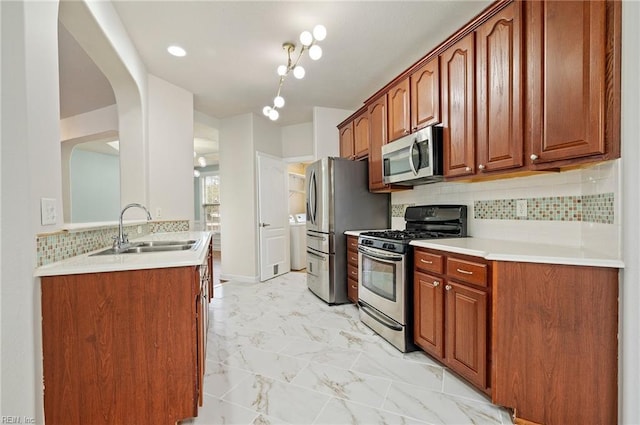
597	208
66	244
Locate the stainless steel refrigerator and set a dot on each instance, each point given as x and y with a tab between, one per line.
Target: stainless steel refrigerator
338	199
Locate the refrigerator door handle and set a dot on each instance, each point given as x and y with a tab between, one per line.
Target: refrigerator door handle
313	197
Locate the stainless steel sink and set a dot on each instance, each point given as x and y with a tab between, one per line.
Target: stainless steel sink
151	246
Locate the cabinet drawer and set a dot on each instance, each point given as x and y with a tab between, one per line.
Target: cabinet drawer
352	290
352	243
352	272
467	271
428	261
352	257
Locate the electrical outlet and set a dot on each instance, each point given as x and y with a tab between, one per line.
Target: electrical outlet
158	212
139	229
48	213
521	208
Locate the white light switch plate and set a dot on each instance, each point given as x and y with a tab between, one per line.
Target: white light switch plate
521	208
48	213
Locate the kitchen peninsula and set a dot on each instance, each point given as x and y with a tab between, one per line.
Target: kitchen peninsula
124	335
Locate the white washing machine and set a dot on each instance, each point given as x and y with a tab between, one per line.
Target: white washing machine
298	229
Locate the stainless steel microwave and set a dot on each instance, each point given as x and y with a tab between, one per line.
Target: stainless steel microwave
414	159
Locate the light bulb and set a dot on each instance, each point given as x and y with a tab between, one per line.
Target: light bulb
278	101
319	32
273	115
298	72
202	162
306	38
196	173
266	110
315	52
282	70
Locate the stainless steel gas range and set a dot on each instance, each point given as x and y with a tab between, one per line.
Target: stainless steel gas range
385	284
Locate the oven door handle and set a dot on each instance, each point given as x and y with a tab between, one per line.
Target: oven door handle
313	254
379	256
379	317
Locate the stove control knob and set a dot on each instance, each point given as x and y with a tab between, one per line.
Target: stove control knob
367	242
389	246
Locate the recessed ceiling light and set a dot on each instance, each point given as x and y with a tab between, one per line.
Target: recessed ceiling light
176	51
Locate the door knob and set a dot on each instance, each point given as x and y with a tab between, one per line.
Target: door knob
264	224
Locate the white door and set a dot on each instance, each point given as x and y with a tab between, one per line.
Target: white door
273	218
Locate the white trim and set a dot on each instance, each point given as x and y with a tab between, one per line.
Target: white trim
239	278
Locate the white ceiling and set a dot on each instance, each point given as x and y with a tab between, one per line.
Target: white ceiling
234	47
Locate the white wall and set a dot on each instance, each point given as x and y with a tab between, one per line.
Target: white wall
630	289
297	142
240	138
237	199
170	151
30	170
95	186
326	139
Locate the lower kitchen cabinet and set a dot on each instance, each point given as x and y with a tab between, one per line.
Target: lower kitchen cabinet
451	312
540	339
125	346
352	268
555	354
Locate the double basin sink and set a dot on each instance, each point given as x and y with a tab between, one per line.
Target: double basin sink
151	246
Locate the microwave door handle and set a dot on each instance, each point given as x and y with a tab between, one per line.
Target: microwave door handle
411	164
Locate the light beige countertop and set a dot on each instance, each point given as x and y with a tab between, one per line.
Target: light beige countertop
501	250
86	263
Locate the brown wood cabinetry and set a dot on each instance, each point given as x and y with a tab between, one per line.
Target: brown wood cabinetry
457	79
499	91
354	135
398	117
124	347
425	95
555	352
346	139
377	138
451	312
352	268
573	81
361	134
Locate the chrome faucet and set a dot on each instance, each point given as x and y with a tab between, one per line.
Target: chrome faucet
122	241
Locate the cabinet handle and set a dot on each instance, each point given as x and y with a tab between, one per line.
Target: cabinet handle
354	273
436	283
481	166
354	286
406	131
533	157
463	271
467	169
425	261
448	287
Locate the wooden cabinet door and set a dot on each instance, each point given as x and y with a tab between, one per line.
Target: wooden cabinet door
499	138
425	95
566	43
377	138
361	134
466	332
428	313
457	90
346	141
398	113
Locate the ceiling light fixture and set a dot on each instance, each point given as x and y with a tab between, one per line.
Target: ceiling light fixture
176	51
309	42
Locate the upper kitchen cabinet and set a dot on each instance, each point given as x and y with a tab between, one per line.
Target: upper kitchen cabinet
361	134
398	116
499	135
346	139
457	90
354	135
377	137
573	77
425	95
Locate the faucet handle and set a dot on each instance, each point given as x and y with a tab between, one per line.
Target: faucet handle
115	241
125	238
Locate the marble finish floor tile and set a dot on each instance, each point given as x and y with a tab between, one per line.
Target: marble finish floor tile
277	354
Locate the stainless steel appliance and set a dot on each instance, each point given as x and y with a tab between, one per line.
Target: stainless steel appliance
338	199
414	159
385	285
